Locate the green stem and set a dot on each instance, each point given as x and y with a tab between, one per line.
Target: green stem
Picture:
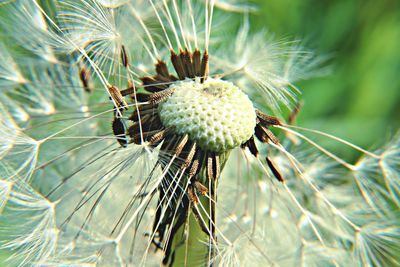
191	242
192	245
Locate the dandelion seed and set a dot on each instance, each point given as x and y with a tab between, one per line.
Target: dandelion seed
378	244
31	219
17	151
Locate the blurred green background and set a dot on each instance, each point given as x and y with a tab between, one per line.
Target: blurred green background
360	99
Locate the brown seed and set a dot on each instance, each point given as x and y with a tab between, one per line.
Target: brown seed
274	170
200	187
196	166
213	168
271	136
140	97
117	97
251	145
129	90
158	137
119	131
192	195
267	120
124	57
265	135
190	156
159	97
217	166
84	76
178	65
146	135
204	67
162	69
210	173
260	133
181	145
188	60
197	62
152	85
165	81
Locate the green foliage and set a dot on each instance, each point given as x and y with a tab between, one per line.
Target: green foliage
360	98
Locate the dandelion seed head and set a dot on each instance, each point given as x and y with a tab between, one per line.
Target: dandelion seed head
216	114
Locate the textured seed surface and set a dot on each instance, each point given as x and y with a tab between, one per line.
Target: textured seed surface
216	114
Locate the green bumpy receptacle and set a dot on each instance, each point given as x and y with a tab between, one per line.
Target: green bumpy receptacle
215	114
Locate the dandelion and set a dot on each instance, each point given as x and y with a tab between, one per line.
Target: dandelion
145	133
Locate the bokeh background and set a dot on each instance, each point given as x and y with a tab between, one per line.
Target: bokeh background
359	99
